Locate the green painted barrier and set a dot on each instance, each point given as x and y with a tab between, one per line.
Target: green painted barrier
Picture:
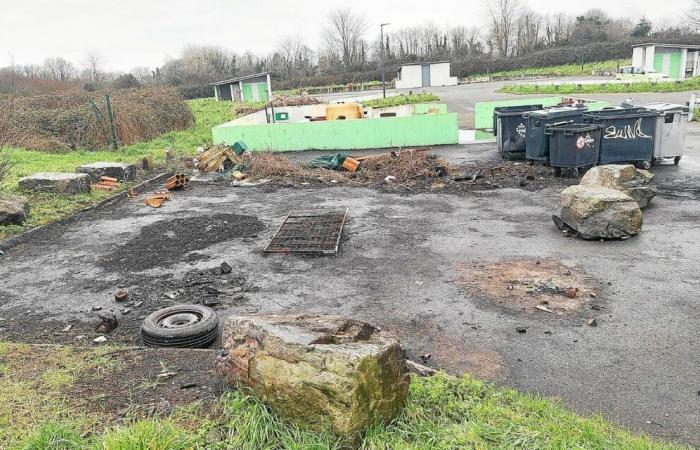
483	111
387	132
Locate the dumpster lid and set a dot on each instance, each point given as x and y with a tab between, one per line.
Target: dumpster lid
515	110
563	111
621	113
663	107
570	127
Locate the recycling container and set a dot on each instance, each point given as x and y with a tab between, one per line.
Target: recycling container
510	130
671	129
573	146
627	134
537	143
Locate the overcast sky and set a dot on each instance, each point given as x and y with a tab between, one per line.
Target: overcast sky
129	33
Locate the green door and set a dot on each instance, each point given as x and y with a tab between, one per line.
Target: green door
659	63
262	92
674	69
248	93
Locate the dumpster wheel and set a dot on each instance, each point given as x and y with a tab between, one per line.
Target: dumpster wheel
676	160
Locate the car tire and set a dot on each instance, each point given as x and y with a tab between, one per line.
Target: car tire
181	326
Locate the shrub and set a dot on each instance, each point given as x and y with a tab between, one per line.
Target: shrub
192	92
71	120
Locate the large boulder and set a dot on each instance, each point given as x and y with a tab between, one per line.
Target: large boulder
634	182
56	183
322	372
14	209
599	212
120	171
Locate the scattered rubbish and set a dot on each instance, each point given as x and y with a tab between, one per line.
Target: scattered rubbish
100	340
316	231
106	184
182	326
330	162
389	179
131	193
466	177
67	328
544	308
156	200
109	323
177	182
137	304
351	164
571	292
238	175
593	295
121	295
171	295
188	386
593	323
166	375
425	357
521	330
246	183
420	369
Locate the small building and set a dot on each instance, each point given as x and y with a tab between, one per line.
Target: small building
676	61
416	75
249	88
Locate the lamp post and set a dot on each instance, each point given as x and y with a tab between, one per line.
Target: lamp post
381	45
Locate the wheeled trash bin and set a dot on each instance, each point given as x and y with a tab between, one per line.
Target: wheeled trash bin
573	146
627	134
671	129
509	129
537	145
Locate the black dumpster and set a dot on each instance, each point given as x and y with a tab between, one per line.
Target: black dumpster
509	128
536	148
573	146
627	134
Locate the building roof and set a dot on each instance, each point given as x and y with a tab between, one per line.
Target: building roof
656	44
421	63
234	80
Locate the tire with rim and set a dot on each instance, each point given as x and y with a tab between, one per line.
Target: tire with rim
181	326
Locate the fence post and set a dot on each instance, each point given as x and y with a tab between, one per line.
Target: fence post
110	115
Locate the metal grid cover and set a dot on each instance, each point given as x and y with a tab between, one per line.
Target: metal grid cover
316	231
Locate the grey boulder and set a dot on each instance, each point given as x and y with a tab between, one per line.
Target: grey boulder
56	183
634	182
14	209
120	171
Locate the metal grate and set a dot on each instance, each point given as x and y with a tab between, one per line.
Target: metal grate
309	232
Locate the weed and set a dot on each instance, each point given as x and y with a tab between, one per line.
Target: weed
398	100
152	434
52	436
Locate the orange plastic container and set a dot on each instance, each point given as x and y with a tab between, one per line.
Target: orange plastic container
344	111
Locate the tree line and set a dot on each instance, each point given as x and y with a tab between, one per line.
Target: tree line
511	34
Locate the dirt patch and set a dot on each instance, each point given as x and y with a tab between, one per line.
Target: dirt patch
529	286
164	243
148	382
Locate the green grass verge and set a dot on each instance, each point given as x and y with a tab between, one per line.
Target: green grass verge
47	208
398	100
443	412
691	84
565	70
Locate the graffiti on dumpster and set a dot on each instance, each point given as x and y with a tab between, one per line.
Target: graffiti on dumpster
626	132
585	141
521	130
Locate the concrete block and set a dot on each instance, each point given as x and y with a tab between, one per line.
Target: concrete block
56	183
120	171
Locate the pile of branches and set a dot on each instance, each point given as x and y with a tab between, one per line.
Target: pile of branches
297	100
78	119
406	166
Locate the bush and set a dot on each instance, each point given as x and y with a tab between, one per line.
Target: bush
70	121
192	92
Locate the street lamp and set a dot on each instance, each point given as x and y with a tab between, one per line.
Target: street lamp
381	45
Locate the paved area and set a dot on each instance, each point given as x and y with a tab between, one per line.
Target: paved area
400	265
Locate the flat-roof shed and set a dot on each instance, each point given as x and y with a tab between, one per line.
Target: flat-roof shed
415	75
676	61
249	88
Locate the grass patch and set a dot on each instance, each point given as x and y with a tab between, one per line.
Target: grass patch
398	100
564	70
46	208
691	84
443	412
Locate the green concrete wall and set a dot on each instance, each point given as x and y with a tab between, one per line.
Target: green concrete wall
483	111
433	129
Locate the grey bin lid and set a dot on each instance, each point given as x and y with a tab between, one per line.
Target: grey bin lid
661	107
553	113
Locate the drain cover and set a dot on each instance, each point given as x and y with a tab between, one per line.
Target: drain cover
316	231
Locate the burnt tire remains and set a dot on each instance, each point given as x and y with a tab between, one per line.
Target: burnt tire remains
181	326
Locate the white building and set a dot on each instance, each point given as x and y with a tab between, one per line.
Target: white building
416	75
676	61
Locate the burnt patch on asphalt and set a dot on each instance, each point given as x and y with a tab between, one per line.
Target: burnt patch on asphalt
528	286
168	242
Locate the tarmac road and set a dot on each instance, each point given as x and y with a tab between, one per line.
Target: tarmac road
400	262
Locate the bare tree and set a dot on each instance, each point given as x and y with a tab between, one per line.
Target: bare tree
7	131
503	15
693	15
557	29
344	36
528	32
93	66
59	68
